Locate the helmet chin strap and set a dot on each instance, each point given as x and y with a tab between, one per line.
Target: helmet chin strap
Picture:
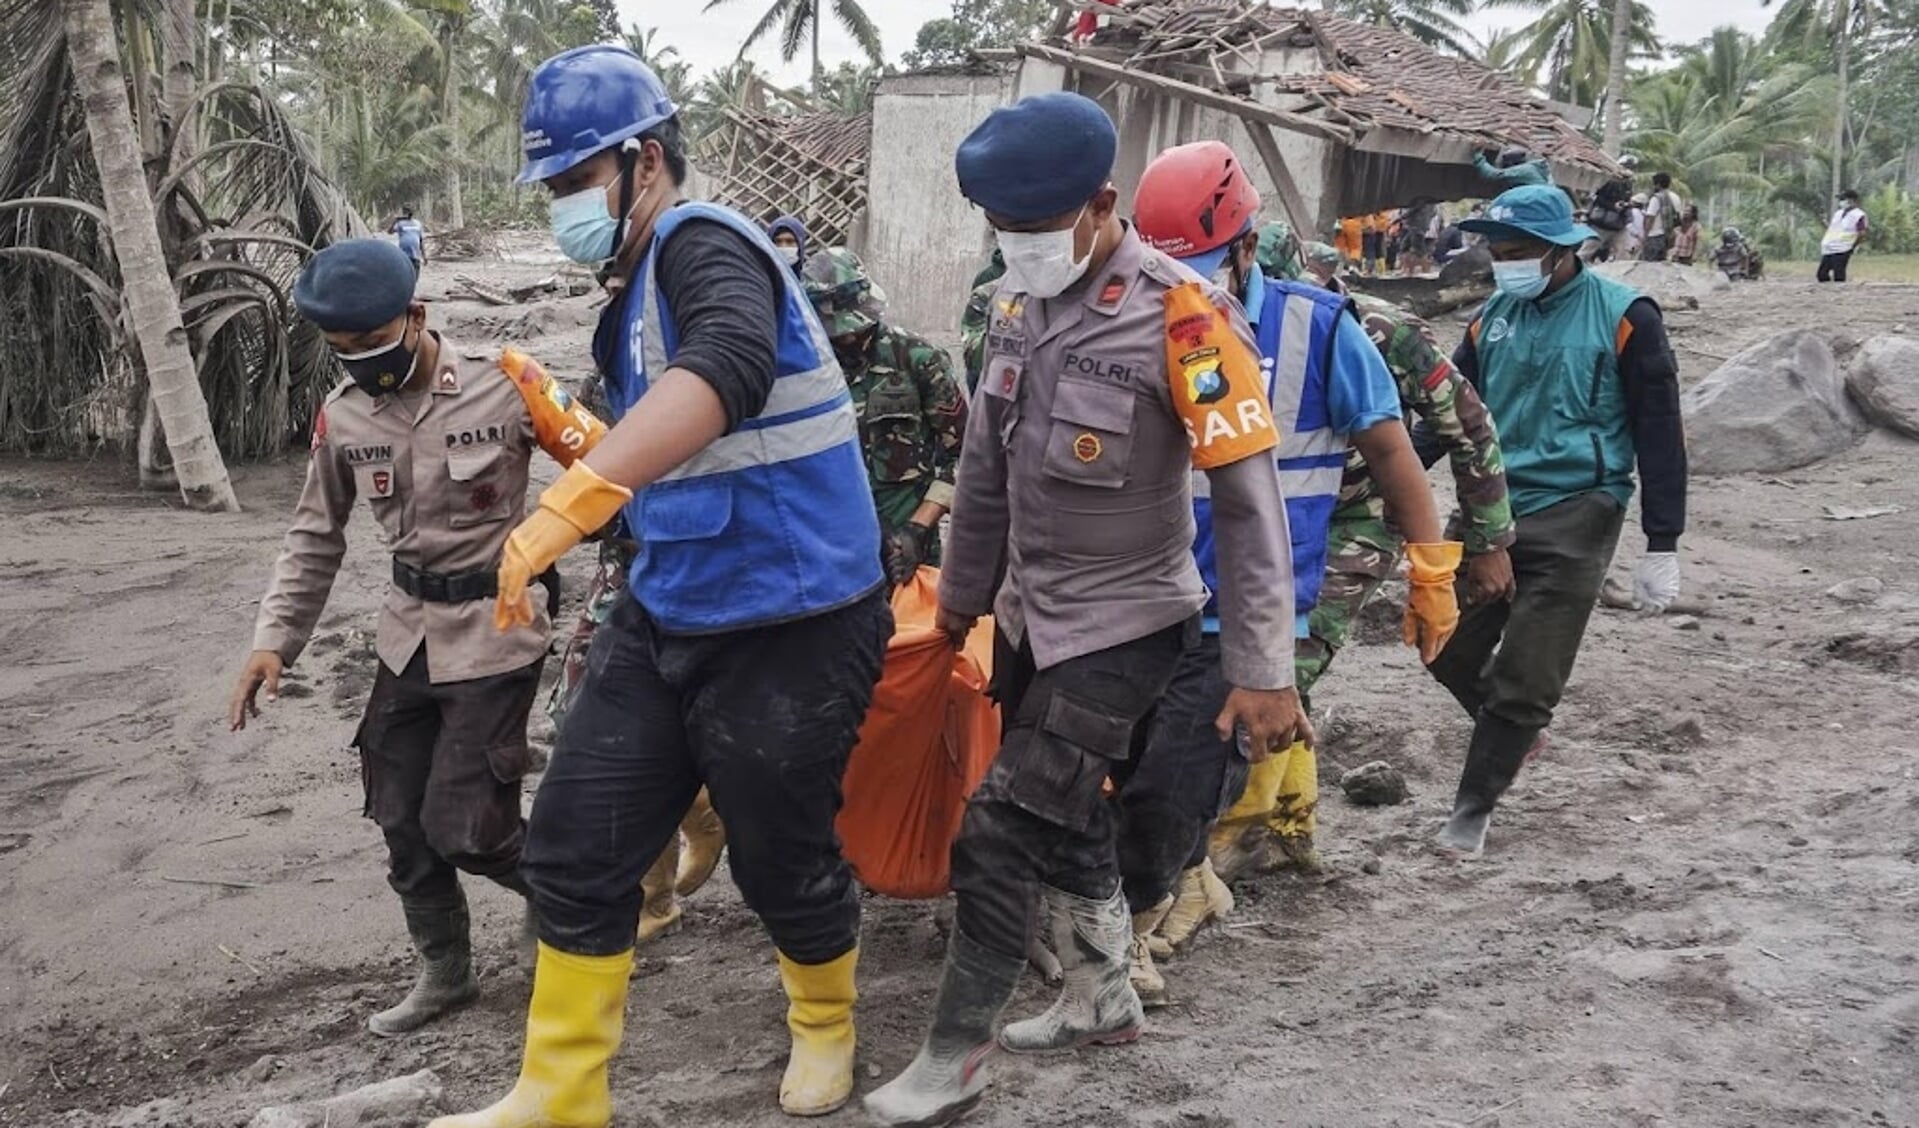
629	158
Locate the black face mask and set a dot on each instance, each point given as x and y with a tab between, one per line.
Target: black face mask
381	371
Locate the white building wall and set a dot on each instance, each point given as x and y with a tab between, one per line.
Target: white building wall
922	241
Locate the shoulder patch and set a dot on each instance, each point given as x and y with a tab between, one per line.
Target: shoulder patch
319	430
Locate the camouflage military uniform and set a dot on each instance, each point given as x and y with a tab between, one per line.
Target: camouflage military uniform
979	305
912	412
1362	548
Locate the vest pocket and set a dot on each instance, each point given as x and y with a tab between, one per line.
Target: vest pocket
1090	441
892	419
690	510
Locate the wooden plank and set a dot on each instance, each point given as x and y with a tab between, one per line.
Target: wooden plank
1289	194
1247	111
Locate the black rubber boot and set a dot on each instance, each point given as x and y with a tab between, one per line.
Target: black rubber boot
1493	760
446	982
948	1076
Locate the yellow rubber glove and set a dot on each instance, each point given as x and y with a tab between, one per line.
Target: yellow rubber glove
572	509
1432	607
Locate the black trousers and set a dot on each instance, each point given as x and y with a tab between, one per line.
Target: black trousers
1182	778
764	718
442	765
1512	660
1040	816
1832	268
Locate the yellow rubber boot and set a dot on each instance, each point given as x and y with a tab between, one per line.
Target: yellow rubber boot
819	1074
573	1028
659	907
1294	817
1240	835
705	838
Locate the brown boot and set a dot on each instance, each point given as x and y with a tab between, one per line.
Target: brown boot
1200	899
660	908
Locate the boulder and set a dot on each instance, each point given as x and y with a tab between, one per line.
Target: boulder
1777	406
1884	382
400	1101
1474	264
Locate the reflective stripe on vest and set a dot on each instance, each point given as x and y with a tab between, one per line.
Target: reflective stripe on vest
773	521
1295	334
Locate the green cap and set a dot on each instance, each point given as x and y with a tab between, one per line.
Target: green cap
841	292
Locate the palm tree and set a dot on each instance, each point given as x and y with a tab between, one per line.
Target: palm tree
1501	54
1841	20
801	17
152	304
1570	40
1616	75
1432	22
663	59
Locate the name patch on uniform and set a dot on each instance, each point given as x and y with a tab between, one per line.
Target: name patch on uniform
472	436
1101	368
379	452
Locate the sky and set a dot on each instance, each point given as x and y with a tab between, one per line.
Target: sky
712	39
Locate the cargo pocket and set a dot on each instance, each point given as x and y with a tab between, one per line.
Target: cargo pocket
1063	768
387	802
478	495
892	419
1091	437
690	510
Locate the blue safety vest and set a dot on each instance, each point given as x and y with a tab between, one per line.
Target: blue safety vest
1296	330
772	522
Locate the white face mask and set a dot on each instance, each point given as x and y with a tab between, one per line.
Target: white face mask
1041	263
790	254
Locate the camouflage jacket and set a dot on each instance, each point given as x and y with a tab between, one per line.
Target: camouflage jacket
973	330
1431	389
912	416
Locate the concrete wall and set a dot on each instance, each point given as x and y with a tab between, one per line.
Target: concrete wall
921	240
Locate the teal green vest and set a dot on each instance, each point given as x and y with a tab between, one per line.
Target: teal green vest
1549	374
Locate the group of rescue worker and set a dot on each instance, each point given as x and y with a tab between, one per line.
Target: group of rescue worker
1158	440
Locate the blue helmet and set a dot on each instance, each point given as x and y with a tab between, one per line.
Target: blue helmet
583	101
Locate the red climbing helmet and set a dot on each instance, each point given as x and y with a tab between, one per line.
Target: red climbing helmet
1193	199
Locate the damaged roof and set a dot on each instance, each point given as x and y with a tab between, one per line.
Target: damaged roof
1374	78
835	140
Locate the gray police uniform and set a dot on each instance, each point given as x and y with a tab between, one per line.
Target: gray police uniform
1075	484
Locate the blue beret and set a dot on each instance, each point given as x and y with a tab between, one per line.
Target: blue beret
1039	157
355	286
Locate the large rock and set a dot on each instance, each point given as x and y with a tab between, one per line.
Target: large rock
1884	382
401	1101
1780	404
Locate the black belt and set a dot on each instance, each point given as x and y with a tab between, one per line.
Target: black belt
464	587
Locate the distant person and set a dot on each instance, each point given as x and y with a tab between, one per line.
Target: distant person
975	318
1662	215
1635	227
1847	230
1685	238
411	236
1450	244
789	238
1735	257
1608	215
1511	167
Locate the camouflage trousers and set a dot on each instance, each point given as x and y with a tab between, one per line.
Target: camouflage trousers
1282	793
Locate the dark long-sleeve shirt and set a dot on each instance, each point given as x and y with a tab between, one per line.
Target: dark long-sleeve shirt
1649	375
724	295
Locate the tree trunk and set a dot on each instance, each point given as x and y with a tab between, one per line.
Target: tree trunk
450	114
818	15
1842	43
1616	77
177	42
152	305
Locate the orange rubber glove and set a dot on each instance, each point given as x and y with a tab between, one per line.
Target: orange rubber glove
1432	608
572	509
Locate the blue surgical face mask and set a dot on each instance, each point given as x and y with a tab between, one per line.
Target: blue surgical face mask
583	227
1525	279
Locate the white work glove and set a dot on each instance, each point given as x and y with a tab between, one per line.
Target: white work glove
1655	583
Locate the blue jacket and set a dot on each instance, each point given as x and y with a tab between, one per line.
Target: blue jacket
1549	374
772	522
1326	381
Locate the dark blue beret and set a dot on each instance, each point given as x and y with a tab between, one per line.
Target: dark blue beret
355	286
1039	157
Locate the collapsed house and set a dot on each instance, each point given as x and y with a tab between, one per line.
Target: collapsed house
1333	117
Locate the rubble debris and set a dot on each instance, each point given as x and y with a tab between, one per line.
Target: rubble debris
1864	589
1375	784
1777	406
401	1100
